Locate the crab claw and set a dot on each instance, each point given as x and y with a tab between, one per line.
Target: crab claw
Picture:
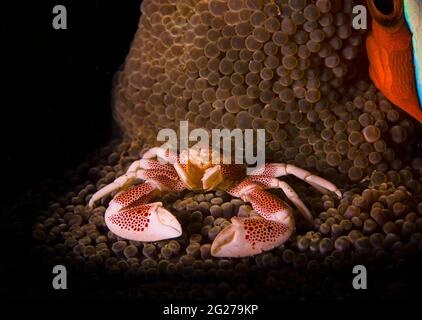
250	236
212	178
147	222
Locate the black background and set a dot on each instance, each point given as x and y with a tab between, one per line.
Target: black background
55	104
56	85
55	110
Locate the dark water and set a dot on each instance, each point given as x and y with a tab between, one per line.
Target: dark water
55	107
55	111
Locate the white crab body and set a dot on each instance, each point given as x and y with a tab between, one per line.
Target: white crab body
131	216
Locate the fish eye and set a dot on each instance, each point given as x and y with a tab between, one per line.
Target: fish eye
388	13
386	7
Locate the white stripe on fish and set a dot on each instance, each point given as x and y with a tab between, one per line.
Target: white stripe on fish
413	15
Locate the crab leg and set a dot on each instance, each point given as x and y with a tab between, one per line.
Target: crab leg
250	236
162	180
282	169
269	183
149	164
129	215
139	169
117	184
161	153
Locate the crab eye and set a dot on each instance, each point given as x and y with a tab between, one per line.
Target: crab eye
388	13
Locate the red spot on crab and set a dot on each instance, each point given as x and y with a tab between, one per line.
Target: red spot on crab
134	219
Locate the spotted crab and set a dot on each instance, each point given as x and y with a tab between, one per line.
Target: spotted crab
131	216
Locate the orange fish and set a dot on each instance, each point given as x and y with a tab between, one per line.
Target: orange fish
393	47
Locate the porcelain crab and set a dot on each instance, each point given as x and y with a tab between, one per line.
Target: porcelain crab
131	216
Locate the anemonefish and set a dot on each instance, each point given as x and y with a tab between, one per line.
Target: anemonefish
394	47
